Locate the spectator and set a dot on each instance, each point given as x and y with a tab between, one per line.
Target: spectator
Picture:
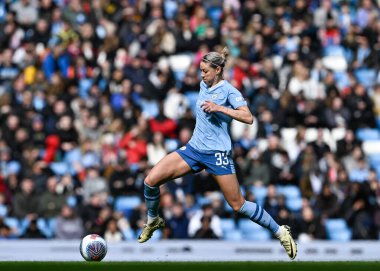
205	232
32	231
112	233
68	225
196	221
51	202
177	225
310	227
26	202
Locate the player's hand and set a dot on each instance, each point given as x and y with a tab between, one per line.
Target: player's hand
209	107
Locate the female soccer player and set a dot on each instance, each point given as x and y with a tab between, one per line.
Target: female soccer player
210	148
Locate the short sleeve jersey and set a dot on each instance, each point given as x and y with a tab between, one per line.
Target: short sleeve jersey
211	129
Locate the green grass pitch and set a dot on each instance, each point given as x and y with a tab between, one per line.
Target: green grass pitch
188	266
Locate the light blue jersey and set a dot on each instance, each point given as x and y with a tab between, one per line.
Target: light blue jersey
211	129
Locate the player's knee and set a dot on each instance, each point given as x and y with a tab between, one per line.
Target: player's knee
149	181
236	205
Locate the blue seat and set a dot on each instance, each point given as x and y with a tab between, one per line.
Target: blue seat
129	234
227	207
233	235
215	14
12	222
291	191
15	224
258	235
294	204
47	226
150	109
337	229
3	210
366	77
365	134
341	236
72	201
171	144
335	224
246	226
192	97
126	204
253	231
260	193
59	168
334	50
374	159
341	78
227	224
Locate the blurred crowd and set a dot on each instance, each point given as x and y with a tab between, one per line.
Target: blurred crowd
94	93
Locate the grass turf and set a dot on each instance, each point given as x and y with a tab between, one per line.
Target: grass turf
188	266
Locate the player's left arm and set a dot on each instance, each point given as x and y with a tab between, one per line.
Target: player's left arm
242	113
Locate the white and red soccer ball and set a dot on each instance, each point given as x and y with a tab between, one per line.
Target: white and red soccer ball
93	248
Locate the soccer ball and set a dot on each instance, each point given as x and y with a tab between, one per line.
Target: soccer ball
93	248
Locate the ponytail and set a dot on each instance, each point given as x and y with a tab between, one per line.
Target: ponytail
217	59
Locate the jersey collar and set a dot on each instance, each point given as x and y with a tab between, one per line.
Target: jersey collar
221	83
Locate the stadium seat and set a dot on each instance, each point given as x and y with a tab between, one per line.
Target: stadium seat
192	97
288	134
253	231
150	109
46	226
215	14
227	207
311	134
366	77
335	224
126	204
59	168
260	193
71	201
227	224
245	225
129	235
341	78
294	204
290	191
333	50
338	133
258	235
366	134
171	144
12	222
371	147
3	210
341	236
374	160
337	229
233	235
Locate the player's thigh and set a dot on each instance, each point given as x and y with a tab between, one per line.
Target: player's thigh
231	190
170	167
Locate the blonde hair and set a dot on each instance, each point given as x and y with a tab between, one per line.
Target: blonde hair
217	59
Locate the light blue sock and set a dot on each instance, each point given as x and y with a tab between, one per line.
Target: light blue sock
258	215
152	201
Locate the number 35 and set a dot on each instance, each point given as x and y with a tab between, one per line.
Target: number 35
221	159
